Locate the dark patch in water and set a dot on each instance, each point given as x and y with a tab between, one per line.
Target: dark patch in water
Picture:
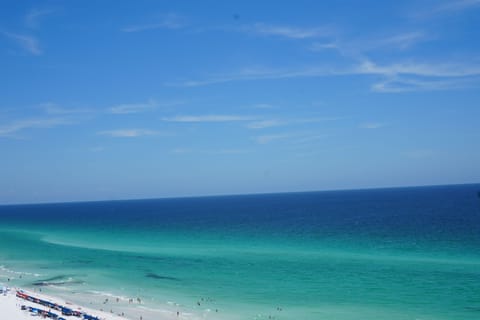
151	258
82	261
46	284
158	277
473	308
55	278
56	281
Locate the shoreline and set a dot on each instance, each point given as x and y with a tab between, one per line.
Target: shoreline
106	305
11	308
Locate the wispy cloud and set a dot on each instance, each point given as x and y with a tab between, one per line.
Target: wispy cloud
458	5
257	74
295	138
415	75
397	77
168	21
287	31
207	118
11	129
321	46
402	84
262	124
359	48
54	109
264	139
128	133
133	108
210	151
372	125
231	151
263	106
33	17
26	42
97	149
307	139
419	69
181	150
317	119
403	77
445	7
403	40
268	123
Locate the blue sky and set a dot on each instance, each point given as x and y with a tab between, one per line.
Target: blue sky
141	99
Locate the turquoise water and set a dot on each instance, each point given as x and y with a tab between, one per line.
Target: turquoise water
409	253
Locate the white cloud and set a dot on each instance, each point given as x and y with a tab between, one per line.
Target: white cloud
321	46
458	5
52	108
128	133
415	76
206	151
419	69
309	138
435	76
133	108
97	149
11	129
444	7
263	106
404	40
169	21
258	74
264	139
357	48
403	84
207	118
317	119
231	151
404	77
181	150
288	31
265	124
28	43
372	125
401	41
268	123
33	17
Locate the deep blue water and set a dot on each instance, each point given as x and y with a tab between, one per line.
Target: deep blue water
432	210
400	253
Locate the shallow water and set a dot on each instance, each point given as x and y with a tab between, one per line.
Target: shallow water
408	253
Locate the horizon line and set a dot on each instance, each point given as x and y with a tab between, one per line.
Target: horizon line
239	194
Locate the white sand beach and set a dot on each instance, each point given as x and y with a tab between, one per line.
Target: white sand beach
106	307
10	307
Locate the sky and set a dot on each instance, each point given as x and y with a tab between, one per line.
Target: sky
103	100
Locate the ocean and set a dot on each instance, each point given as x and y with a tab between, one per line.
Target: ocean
400	253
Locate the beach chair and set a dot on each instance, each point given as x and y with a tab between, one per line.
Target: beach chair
67	312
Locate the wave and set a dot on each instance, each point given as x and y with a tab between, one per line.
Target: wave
20	273
109	295
90	246
385	255
57	281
